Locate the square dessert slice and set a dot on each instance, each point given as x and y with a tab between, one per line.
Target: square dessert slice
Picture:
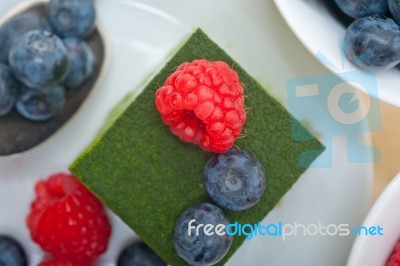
148	177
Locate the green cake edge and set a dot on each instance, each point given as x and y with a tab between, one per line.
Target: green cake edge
279	153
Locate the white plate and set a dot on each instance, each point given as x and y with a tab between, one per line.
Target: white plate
320	32
375	251
142	35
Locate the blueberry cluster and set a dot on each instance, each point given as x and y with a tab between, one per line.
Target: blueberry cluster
235	181
41	57
372	41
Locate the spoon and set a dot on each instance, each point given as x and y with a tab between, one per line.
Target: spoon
18	134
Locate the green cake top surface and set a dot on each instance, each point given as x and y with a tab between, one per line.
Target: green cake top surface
148	177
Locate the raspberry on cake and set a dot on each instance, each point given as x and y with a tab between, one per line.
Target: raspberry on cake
67	220
203	103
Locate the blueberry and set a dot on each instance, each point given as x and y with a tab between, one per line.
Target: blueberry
8	89
40	104
202	249
363	8
72	18
82	61
39	59
46	26
234	180
14	28
394	7
138	254
373	43
11	252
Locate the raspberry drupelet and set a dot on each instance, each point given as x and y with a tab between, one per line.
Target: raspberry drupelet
203	103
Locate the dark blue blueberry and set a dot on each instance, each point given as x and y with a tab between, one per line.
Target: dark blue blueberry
202	249
394	7
363	8
39	59
14	28
234	180
138	254
8	89
373	43
40	104
11	252
72	18
46	26
81	60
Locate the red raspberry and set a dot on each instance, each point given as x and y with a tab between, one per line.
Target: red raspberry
394	259
67	220
64	262
203	103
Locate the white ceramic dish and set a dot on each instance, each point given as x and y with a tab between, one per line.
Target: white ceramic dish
321	33
375	251
142	35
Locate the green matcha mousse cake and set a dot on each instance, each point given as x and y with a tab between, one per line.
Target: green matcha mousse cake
148	177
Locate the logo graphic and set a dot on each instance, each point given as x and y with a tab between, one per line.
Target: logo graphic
281	230
340	110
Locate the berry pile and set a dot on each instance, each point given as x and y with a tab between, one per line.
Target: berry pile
203	103
68	221
40	57
372	41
